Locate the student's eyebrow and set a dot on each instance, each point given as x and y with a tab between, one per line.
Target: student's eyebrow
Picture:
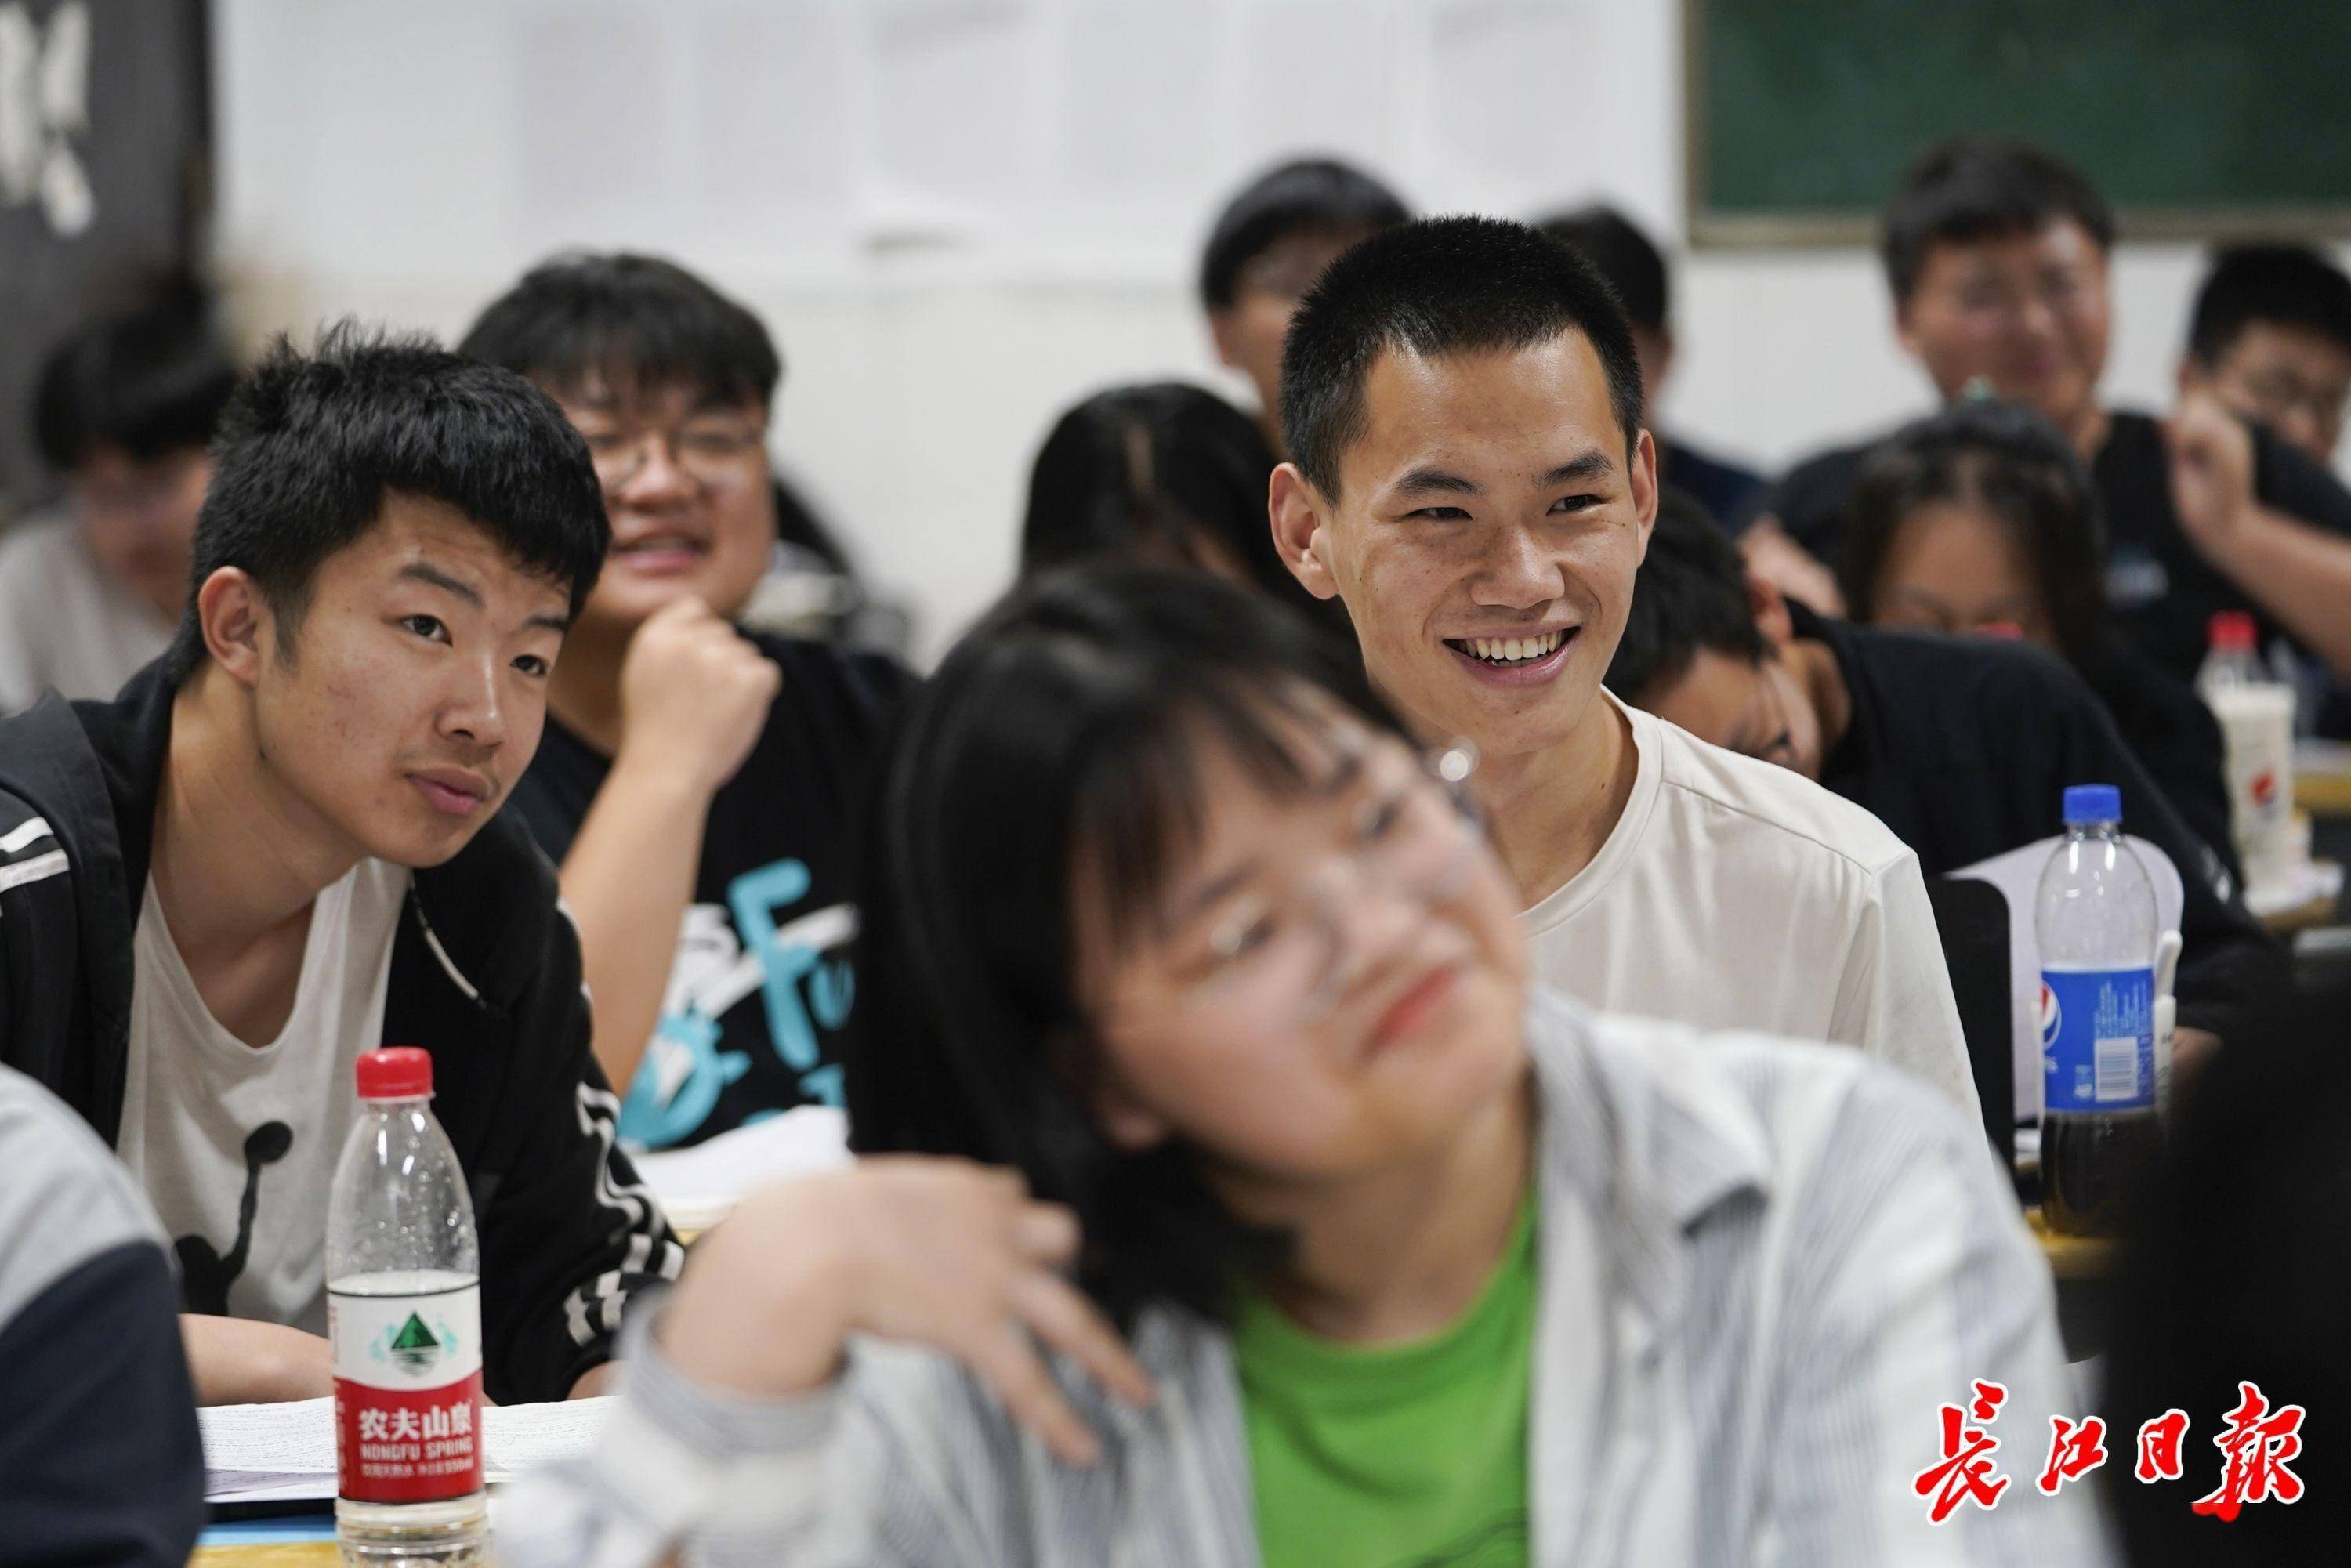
1594	465
1430	480
433	577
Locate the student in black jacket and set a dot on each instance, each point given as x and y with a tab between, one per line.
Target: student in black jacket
699	781
1962	748
279	847
1997	255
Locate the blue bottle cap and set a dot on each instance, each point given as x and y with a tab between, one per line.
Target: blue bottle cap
2087	803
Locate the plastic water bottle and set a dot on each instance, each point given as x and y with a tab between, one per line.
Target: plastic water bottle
404	1316
2256	714
2096	923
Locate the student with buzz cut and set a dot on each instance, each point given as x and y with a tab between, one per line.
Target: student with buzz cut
1962	747
2270	337
1998	255
699	782
1268	245
1469	474
280	847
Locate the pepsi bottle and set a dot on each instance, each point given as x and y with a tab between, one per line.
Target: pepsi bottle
2096	919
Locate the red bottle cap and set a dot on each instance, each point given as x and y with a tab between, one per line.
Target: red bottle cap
400	1072
2233	630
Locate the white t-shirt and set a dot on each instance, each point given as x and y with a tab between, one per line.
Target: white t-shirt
1735	894
236	1145
63	623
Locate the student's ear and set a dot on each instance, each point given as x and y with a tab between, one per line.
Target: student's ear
1771	606
1643	478
2191	375
1297	510
1220	332
1903	333
237	621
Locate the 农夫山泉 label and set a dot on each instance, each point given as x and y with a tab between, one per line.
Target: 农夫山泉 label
2098	1040
408	1393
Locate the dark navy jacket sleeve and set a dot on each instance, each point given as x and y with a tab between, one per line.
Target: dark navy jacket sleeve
99	1458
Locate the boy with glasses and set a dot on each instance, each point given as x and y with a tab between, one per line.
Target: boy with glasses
1469	474
1996	254
2270	337
697	780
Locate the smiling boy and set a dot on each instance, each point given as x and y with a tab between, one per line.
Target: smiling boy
1470	475
280	847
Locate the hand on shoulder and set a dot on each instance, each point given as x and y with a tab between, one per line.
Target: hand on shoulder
939	1252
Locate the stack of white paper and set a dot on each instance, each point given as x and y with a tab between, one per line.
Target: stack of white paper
697	1185
286	1453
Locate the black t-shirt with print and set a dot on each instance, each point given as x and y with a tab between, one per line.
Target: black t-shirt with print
761	986
2164	594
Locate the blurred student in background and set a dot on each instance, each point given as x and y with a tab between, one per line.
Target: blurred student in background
1232	1197
1470	477
1267	249
1167	474
2270	337
122	412
1982	519
1962	748
1635	269
1998	255
698	781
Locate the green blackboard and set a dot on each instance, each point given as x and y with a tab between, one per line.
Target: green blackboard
2198	118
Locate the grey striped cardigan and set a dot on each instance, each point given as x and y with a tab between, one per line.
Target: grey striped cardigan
1764	1268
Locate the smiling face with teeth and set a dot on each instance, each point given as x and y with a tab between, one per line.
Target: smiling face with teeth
685	484
1489	523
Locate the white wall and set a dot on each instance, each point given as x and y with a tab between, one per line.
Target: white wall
958	215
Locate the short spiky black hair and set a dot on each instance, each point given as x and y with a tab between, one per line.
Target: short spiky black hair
1633	265
1690	593
1983	187
630	321
150	381
312	444
2292	285
1440	285
1308	195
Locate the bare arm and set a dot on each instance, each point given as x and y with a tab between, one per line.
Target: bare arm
237	1360
628	879
694	695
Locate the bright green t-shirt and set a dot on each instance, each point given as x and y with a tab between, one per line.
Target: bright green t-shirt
1402	1456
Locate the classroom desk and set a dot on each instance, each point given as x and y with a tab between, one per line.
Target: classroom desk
2322	779
2318	912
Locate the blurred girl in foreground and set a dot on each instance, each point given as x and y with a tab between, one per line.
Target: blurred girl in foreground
1225	1195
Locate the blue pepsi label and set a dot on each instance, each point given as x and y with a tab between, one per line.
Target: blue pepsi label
2097	1040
